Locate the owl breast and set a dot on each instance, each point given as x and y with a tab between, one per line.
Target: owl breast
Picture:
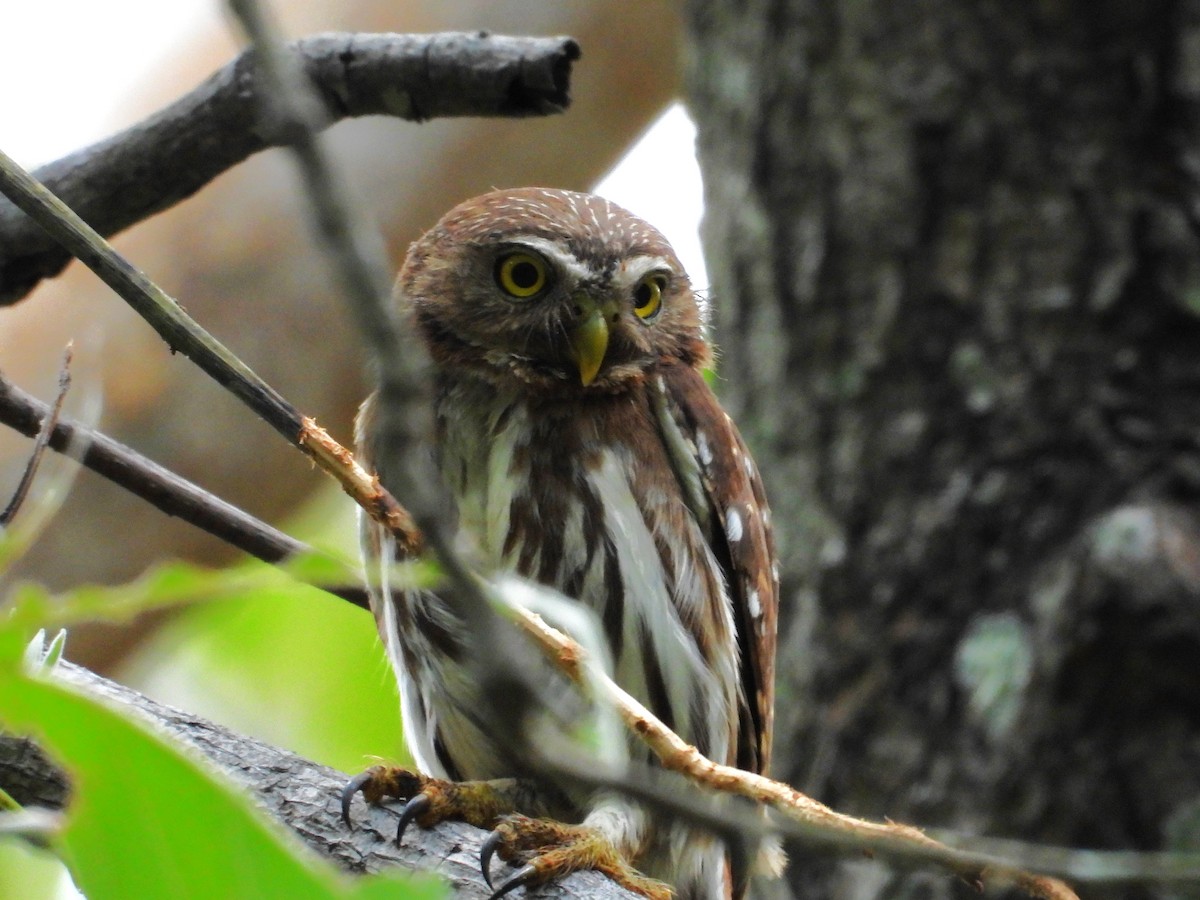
588	497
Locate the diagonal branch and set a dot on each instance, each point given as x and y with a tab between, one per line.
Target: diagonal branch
357	255
159	486
184	335
168	157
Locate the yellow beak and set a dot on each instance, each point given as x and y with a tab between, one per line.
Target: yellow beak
589	339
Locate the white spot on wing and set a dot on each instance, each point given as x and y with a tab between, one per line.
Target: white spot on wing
703	449
733	525
754	605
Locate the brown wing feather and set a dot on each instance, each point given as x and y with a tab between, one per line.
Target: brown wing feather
744	544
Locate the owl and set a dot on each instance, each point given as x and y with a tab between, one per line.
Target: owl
584	450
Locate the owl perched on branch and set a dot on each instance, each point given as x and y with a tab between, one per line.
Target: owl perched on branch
585	451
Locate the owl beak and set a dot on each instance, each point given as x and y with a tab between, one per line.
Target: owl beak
589	338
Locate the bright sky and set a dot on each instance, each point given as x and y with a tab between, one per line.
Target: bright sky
62	86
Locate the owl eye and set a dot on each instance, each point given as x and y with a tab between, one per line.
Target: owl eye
521	275
647	296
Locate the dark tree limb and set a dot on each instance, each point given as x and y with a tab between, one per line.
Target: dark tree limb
164	489
171	493
155	164
184	335
301	794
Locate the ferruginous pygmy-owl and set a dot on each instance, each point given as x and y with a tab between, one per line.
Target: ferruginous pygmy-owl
585	451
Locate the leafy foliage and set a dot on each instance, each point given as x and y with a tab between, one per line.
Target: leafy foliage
148	820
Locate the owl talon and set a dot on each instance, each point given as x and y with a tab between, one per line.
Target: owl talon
353	786
485	855
412	809
548	850
524	876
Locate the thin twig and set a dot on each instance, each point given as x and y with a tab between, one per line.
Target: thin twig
1095	867
185	335
49	421
803	817
356	252
360	260
171	493
171	155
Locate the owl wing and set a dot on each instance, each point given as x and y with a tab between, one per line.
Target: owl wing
741	540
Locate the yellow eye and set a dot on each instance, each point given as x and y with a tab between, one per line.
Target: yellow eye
647	297
521	275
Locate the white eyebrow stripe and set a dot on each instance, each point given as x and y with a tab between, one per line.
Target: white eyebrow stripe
555	252
634	267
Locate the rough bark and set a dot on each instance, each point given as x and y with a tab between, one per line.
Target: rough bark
171	155
955	267
298	793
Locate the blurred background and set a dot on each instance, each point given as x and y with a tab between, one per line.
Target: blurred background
308	675
954	253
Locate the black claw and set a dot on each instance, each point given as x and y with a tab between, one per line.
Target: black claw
412	809
485	855
514	881
353	786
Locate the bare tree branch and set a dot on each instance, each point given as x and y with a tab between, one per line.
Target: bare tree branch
301	794
185	335
157	163
162	488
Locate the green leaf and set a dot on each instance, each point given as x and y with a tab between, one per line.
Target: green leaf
30	873
297	668
147	821
164	586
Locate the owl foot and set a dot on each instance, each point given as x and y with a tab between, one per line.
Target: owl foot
431	800
549	850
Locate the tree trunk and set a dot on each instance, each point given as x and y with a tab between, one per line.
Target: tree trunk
955	262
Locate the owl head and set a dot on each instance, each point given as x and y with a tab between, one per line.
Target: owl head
563	292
